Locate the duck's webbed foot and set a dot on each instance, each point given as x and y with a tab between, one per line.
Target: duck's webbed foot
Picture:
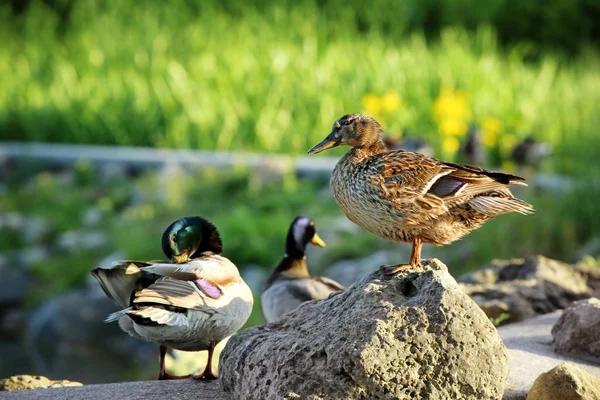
164	375
391	270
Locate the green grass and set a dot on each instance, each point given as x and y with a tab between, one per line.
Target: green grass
271	78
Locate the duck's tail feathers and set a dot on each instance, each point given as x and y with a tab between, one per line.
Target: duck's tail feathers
117	315
119	280
493	206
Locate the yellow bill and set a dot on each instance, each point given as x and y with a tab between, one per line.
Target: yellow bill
317	241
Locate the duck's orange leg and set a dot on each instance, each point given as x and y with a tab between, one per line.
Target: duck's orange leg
163	375
207	373
415	259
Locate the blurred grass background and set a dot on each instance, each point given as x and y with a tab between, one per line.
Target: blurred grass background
273	77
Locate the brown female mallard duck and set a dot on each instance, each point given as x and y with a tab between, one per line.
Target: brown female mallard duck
409	197
290	284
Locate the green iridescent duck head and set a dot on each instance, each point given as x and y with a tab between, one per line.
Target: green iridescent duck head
190	237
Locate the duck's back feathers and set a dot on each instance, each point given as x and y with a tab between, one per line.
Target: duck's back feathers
435	186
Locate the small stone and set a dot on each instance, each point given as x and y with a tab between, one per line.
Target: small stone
578	329
27	382
565	382
413	335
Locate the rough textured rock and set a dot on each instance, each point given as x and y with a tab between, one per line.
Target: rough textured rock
578	329
530	351
26	382
565	382
414	335
524	288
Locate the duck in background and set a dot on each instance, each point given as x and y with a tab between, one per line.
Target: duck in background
529	152
408	143
190	303
472	149
290	284
409	197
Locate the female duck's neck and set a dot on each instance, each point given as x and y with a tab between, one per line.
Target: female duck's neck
361	153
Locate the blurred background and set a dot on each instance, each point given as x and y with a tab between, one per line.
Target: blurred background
505	84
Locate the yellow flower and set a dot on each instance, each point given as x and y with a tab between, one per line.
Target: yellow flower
371	104
453	127
492	125
452	104
489	138
450	145
390	101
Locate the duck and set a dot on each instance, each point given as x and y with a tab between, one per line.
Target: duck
404	196
290	284
409	143
529	152
189	303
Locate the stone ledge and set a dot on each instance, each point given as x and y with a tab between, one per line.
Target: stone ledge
149	390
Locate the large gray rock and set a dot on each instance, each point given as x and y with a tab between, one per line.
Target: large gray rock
578	330
565	382
414	335
530	351
524	288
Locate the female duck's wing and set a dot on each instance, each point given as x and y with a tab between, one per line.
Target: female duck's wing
432	186
403	179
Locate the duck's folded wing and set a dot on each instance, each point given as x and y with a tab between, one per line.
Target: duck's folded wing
316	288
405	178
119	280
198	294
330	283
192	270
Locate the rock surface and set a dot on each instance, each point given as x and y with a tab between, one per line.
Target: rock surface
415	335
525	288
565	382
530	351
578	330
27	382
152	390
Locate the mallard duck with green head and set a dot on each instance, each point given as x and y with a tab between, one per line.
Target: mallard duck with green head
190	303
290	284
409	197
